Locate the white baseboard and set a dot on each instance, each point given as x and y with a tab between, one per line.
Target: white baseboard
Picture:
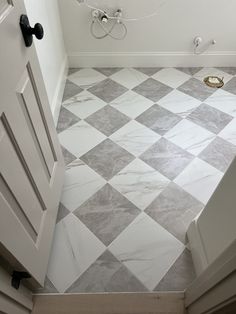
151	59
56	104
197	248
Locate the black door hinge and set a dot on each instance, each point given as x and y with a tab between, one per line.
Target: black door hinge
17	276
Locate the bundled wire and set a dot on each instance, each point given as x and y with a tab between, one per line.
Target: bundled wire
108	32
124	18
118	21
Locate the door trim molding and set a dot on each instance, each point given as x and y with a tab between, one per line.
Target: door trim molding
9	306
215	280
23	296
197	247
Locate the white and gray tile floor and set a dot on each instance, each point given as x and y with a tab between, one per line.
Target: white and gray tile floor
144	149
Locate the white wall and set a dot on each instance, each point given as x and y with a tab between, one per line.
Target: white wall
215	228
164	39
51	51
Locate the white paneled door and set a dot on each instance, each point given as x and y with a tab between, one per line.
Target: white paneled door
31	163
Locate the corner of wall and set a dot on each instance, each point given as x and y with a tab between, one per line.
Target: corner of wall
58	95
197	248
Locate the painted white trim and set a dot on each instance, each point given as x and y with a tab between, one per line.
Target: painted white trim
221	268
197	248
59	90
151	59
22	296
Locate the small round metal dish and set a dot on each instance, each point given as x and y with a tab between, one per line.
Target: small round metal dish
214	81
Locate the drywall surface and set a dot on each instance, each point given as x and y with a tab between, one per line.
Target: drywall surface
50	50
217	222
167	36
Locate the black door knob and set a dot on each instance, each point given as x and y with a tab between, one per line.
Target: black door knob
28	31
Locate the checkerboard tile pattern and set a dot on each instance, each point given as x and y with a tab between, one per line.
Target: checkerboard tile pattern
145	149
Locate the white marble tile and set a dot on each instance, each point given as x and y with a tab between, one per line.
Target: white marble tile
229	132
190	137
223	101
129	77
147	250
80	138
80	183
212	72
74	249
179	103
84	104
171	77
140	183
131	104
199	179
135	137
86	78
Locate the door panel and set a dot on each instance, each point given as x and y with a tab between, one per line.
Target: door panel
5	5
28	202
31	167
28	96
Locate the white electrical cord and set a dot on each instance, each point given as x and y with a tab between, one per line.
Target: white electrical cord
123	18
106	31
118	20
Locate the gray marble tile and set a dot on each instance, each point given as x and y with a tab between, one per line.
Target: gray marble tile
167	158
180	275
219	154
108	90
71	90
107	213
190	71
66	119
152	89
108	71
62	212
148	71
107	158
229	70
47	289
174	209
73	70
210	118
231	86
107	274
197	89
68	157
108	120
158	119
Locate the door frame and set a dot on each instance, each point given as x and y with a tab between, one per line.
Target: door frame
14	301
215	287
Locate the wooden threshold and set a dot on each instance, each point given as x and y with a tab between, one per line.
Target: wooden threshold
110	303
